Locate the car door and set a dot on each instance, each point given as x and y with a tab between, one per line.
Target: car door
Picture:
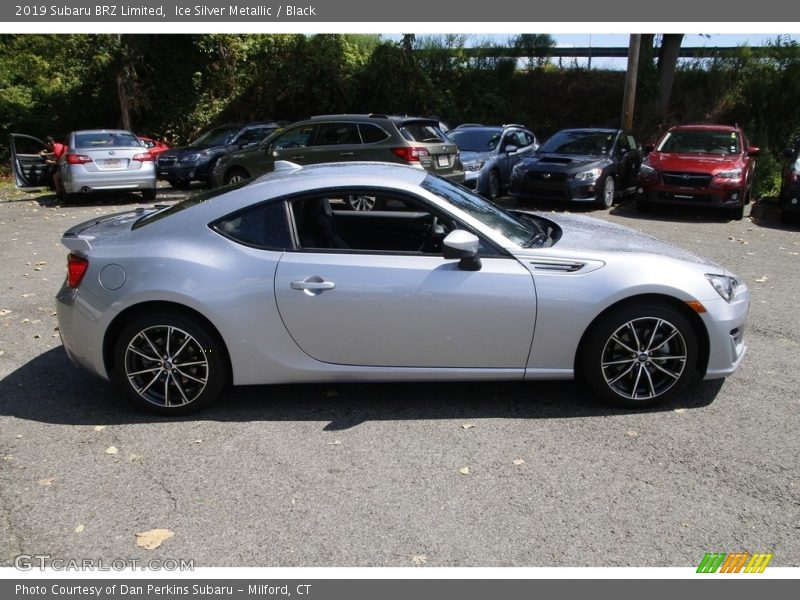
406	309
294	144
336	141
629	157
30	170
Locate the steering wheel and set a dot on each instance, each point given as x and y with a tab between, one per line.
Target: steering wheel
432	243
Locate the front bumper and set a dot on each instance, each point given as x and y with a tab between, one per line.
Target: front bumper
533	185
726	324
721	195
185	172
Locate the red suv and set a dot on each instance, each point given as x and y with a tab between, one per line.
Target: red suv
699	165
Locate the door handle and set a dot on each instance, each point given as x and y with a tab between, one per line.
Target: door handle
313	284
346	153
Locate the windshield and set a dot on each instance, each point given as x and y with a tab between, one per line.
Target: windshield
475	140
216	137
591	143
700	142
522	233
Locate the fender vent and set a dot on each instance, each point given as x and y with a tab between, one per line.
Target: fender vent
558	266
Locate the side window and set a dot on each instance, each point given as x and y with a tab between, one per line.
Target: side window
371	134
632	143
297	137
251	136
404	225
263	226
337	134
527	137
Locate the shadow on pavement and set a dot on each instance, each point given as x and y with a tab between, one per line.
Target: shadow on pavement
49	389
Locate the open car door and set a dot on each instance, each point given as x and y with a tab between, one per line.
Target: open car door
30	170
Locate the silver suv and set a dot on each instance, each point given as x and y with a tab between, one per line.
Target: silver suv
412	141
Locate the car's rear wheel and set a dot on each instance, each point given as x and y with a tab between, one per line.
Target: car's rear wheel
364	203
606	192
639	355
169	364
493	185
235	176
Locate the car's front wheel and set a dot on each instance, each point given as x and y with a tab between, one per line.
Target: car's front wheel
639	355
606	192
169	363
235	176
493	185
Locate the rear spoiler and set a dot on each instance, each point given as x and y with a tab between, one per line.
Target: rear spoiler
77	243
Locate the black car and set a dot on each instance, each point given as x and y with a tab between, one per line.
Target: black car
581	165
185	164
790	182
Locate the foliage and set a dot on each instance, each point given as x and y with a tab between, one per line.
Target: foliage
173	86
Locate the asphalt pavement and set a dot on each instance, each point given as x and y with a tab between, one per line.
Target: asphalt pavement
416	475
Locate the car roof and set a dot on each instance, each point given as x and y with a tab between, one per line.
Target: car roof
704	127
373	116
102	131
597	129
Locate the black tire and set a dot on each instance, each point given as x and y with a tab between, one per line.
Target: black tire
616	374
606	192
737	213
493	185
180	184
235	175
149	194
149	379
364	203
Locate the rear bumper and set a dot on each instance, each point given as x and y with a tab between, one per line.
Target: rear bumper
141	179
81	331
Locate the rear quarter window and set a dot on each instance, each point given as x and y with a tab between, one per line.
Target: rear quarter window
264	226
371	134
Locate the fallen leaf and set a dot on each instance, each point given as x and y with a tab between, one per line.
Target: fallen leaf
631	433
46	482
79	529
99	427
518	461
464	470
134	457
335	443
467	426
419	559
679	410
111	450
150	540
198	441
761	279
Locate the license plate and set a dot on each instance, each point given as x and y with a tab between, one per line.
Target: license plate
443	160
112	163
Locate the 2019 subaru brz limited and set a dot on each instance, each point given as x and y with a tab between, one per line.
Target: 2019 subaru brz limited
268	283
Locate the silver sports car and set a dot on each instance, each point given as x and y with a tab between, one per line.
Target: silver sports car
268	283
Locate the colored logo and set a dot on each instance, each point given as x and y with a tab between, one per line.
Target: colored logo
738	562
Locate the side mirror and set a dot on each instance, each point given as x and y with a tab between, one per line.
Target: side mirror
510	148
464	246
753	151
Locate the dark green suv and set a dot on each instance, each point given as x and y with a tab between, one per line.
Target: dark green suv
333	138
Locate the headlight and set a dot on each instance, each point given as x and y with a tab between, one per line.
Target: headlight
725	286
647	170
732	174
190	158
474	166
589	175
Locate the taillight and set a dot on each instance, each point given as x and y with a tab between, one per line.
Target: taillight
78	159
76	269
144	156
411	153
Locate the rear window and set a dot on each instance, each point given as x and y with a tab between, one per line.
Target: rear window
423	132
116	139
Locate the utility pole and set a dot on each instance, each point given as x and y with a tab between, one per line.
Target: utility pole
629	99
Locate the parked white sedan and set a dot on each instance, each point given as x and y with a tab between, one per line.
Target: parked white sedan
267	284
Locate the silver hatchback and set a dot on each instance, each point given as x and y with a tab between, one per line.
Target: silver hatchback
107	159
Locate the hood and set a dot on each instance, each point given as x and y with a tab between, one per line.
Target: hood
693	163
186	150
563	163
468	156
584	233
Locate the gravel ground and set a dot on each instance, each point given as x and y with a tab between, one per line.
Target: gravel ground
374	475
